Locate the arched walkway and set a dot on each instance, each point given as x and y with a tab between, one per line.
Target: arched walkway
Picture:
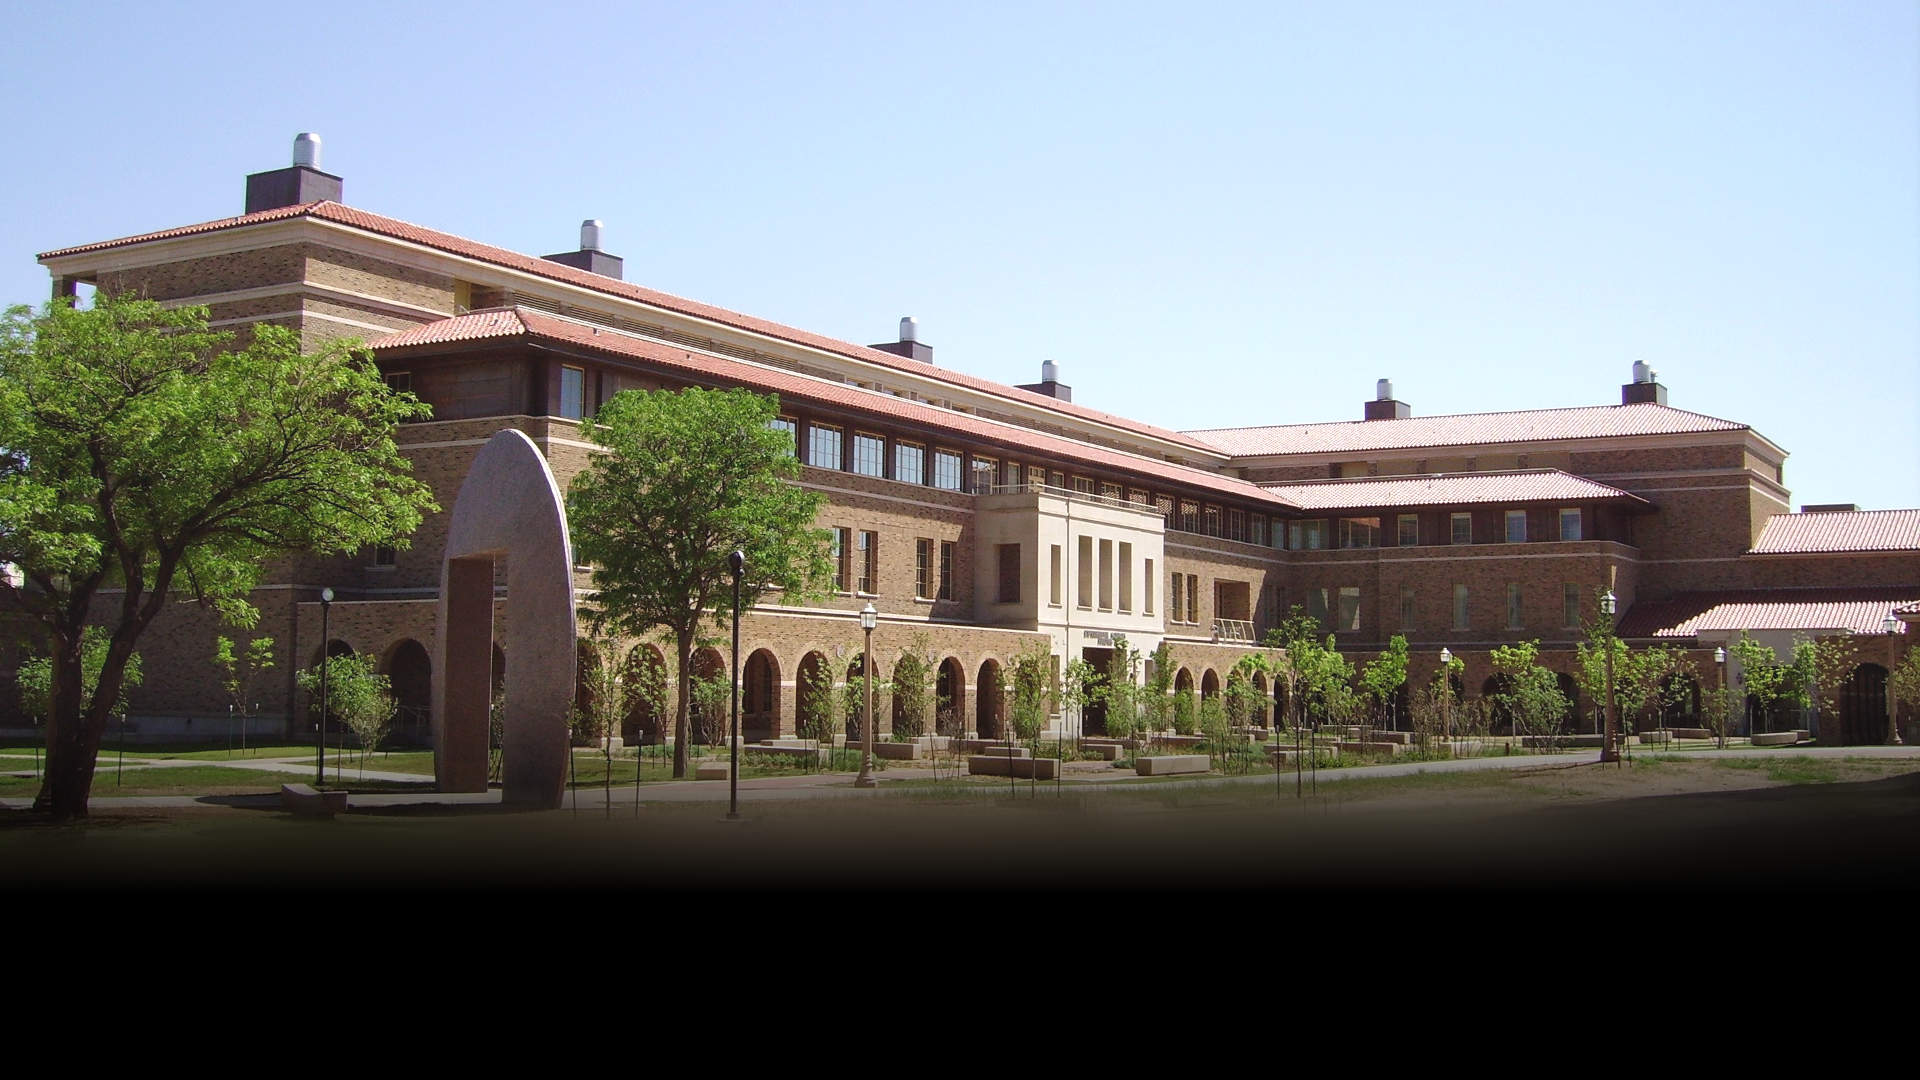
410	670
1182	681
989	709
813	697
759	697
1499	716
950	697
1863	706
856	702
585	657
1209	685
1570	720
1258	717
709	698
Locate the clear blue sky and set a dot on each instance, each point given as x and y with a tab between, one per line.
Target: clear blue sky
1209	215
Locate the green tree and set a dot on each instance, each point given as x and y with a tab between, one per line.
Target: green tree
913	688
1079	685
358	698
1384	675
1029	683
1119	693
35	677
1529	694
1764	678
1903	682
238	668
689	477
1156	706
146	456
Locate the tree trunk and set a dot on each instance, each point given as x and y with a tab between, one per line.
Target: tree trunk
73	738
684	643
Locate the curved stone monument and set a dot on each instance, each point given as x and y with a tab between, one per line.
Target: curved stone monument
509	507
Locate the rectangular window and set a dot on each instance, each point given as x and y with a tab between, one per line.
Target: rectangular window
1016	476
1309	535
1193	598
910	462
1009	573
946	570
1189	517
1165	503
1083	485
869	454
1058	480
785	424
843	559
1139	498
1317	605
1570	525
1462	528
385	556
1106	575
1258	530
986	471
823	446
1175	594
1113	491
1516	526
1406	607
399	382
1359	532
573	392
1570	606
946	470
1515	617
922	568
1210	520
869	562
1237	525
1349	611
1146	584
1053	590
1409	530
1459	607
1126	576
1084	557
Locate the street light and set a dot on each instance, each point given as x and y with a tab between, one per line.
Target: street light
1892	626
737	562
1446	696
320	743
868	618
1720	665
1608	752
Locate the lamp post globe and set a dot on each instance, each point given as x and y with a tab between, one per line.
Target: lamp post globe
1446	690
1726	717
736	562
869	618
1608	752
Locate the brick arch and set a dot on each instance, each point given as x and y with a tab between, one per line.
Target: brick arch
1182	680
409	668
950	683
813	669
760	696
644	723
990	707
1209	684
856	703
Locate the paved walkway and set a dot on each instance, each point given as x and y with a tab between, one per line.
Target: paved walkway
840	785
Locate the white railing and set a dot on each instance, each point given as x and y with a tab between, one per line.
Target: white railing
1232	630
1073	494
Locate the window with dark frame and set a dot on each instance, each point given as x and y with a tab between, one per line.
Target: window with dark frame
910	463
946	570
1409	530
843	559
1462	525
946	470
869	562
922	568
573	392
823	446
869	454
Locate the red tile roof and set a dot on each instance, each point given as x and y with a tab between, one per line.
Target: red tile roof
1466	429
538	325
1860	610
1840	530
1448	489
401	230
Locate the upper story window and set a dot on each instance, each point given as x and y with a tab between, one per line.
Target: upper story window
573	392
1462	528
1258	530
869	454
1113	491
1308	535
1359	532
946	469
399	382
1409	530
1165	504
910	462
1210	520
1516	526
1015	476
823	446
946	570
1189	517
1460	607
1083	484
1237	525
1570	525
985	470
1139	498
784	423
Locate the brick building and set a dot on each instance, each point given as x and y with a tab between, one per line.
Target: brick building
986	516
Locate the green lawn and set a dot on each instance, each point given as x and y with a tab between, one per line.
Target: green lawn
195	780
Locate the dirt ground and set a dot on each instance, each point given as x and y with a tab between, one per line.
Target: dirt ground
1658	823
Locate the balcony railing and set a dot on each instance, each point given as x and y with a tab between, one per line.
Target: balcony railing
1235	630
1067	493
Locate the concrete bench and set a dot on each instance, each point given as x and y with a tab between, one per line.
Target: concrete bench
1691	733
1107	751
712	769
1387	748
1404	738
897	751
1003	750
304	801
1176	741
1168	764
1025	768
1776	738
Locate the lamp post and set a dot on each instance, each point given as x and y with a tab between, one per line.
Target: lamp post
868	618
1720	665
1446	692
320	740
1609	752
1892	626
737	562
